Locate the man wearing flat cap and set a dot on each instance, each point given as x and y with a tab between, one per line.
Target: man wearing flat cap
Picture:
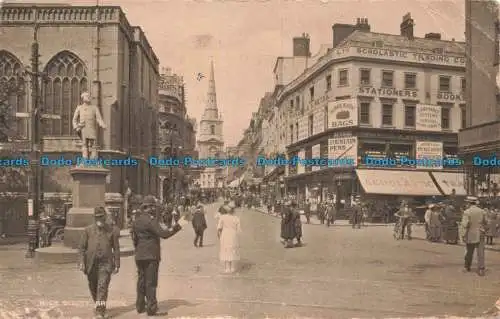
99	258
473	226
146	235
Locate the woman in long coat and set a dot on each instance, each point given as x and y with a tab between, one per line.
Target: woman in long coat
288	230
435	224
451	220
228	230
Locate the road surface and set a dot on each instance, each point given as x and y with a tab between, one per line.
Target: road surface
339	273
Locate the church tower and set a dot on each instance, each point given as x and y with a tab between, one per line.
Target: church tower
210	139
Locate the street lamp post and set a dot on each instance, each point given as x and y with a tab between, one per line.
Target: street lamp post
34	182
171	129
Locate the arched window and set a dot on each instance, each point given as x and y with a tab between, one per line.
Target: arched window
15	89
212	129
67	80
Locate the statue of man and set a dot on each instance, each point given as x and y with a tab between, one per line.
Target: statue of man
85	121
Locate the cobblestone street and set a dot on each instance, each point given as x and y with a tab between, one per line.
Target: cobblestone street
339	273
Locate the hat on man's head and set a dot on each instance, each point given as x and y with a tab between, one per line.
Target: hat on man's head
99	212
149	200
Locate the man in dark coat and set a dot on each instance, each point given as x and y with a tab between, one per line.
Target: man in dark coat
199	223
146	234
99	257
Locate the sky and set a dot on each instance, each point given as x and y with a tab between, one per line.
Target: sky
245	37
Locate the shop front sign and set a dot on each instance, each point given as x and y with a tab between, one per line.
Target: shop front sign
303	132
343	151
429	155
301	169
408	56
450	97
318	120
343	113
316	153
428	117
387	92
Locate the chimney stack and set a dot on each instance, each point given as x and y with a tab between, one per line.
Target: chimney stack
301	46
406	27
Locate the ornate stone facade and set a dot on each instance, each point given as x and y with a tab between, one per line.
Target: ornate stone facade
121	74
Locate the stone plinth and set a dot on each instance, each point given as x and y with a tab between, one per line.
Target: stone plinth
89	188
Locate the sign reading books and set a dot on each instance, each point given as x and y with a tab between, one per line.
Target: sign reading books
428	118
343	113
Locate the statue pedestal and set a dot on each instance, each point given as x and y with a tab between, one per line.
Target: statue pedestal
89	188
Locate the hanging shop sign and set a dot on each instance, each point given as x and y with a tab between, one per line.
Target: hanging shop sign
428	118
316	153
343	151
301	169
386	92
318	120
303	128
429	155
343	113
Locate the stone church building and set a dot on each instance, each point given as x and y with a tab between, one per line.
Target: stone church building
85	48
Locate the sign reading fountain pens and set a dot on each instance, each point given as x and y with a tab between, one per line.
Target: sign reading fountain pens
343	113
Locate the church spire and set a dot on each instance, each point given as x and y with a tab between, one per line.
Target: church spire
211	95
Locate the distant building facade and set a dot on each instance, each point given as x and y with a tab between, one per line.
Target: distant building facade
211	138
481	136
176	132
121	75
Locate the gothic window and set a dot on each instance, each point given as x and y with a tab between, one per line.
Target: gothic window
67	80
212	129
15	88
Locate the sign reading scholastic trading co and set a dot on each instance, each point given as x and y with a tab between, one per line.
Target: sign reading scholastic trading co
303	128
318	120
343	150
428	118
316	153
406	56
343	113
430	151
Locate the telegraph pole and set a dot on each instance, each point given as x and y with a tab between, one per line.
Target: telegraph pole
34	182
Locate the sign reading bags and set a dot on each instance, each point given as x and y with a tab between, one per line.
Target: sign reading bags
343	113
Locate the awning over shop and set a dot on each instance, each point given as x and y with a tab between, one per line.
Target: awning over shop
388	182
449	181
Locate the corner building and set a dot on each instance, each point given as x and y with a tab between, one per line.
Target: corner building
379	96
94	49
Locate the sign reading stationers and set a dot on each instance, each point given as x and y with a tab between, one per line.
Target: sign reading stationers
428	118
343	113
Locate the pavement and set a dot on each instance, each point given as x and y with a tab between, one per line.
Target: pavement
338	273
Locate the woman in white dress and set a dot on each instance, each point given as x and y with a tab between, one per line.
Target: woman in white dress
228	230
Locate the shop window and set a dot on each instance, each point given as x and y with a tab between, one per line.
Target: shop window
410	80
444	83
365	76
387	114
410	115
343	77
463	117
364	113
387	79
445	118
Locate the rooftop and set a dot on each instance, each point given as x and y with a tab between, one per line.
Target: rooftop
360	38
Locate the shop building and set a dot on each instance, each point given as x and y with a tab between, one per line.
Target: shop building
374	96
481	136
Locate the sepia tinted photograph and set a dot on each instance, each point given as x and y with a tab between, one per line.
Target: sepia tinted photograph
322	159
